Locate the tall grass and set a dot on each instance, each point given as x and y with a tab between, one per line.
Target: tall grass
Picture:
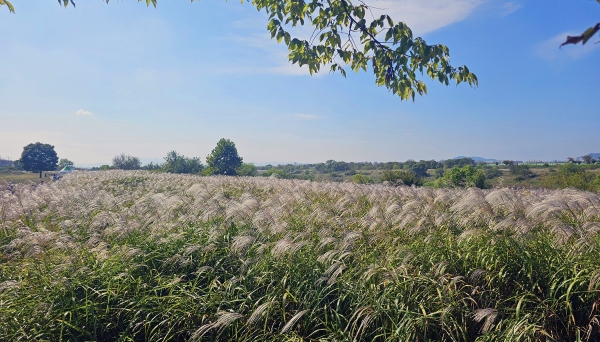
134	256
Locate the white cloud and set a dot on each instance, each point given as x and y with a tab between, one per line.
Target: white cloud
422	16
83	112
550	51
510	7
425	16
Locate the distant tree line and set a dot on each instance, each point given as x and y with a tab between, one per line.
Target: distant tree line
223	160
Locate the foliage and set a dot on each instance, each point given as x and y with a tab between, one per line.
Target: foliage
135	256
224	159
64	162
38	157
466	176
104	168
247	169
459	162
126	162
492	172
572	176
361	179
401	177
588	159
522	172
8	4
178	163
152	166
344	34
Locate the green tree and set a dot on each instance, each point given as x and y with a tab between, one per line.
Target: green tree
64	162
178	163
126	162
38	157
224	159
401	177
465	176
345	36
247	169
361	179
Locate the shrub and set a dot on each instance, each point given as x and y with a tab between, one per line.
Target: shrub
401	177
361	179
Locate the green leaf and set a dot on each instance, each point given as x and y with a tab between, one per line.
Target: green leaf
589	33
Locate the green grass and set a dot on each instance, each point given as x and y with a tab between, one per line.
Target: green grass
133	256
22	178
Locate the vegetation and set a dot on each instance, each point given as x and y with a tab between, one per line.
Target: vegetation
224	159
38	157
178	163
64	162
139	256
401	177
347	36
572	176
247	169
126	162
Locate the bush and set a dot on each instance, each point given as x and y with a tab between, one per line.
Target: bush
522	172
247	169
466	176
571	176
492	172
361	179
401	177
178	163
126	162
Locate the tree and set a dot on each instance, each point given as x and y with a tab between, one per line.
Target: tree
587	159
246	169
178	163
343	36
126	162
361	179
401	177
224	159
64	162
38	157
465	176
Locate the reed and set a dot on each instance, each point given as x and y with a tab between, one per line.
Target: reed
135	256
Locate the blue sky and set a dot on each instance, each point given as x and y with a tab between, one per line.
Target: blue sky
103	79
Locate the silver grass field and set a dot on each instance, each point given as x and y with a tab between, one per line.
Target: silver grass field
137	256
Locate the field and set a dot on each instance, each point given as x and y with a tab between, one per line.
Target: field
22	178
138	256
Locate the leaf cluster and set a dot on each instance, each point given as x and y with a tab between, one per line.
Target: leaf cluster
38	157
347	33
224	158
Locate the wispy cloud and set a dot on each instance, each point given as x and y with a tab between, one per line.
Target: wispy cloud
510	7
550	51
422	17
426	15
83	112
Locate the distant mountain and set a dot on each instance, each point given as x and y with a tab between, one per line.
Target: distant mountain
593	155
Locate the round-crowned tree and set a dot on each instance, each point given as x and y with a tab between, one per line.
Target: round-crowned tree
224	159
38	157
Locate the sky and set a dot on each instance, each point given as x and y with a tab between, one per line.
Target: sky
101	79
